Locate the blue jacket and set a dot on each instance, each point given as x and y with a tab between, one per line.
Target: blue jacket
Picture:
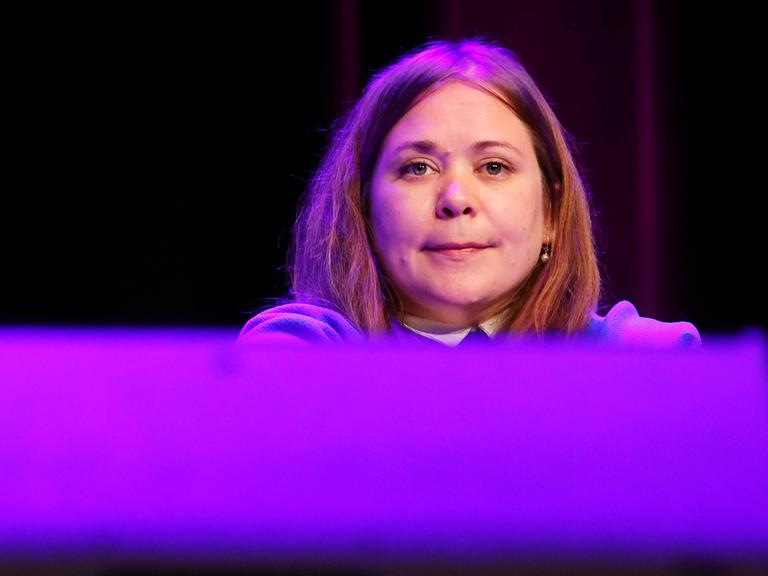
308	323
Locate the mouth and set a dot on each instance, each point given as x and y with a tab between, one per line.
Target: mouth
456	246
454	251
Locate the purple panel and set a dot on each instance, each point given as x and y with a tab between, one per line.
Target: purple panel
175	442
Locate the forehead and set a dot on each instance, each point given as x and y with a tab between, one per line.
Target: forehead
457	114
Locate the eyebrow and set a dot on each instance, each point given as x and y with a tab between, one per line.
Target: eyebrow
428	146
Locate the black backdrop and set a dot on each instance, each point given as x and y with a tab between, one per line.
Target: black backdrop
155	152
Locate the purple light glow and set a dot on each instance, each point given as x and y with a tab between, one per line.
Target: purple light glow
175	442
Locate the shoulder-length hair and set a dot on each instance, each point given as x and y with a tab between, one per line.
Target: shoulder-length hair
332	259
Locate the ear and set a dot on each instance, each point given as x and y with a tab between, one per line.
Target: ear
549	228
549	223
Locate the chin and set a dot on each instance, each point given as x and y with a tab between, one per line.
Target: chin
465	296
465	306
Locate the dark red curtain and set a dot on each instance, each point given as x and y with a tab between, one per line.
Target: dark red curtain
156	152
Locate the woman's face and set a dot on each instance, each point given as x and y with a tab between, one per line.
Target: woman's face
458	216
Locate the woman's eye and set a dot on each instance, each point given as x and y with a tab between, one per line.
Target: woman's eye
419	168
414	168
496	168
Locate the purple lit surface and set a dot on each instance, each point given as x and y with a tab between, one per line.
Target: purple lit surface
175	442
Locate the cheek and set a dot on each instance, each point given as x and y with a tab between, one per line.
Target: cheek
382	217
521	226
396	219
387	222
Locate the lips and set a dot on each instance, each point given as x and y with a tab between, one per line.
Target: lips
452	253
455	246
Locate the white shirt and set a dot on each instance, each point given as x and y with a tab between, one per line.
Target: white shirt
448	333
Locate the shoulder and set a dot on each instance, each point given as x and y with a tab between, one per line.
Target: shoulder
624	325
299	323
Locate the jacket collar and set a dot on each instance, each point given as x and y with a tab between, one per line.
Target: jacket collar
449	334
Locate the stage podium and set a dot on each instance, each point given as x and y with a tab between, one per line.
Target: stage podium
151	450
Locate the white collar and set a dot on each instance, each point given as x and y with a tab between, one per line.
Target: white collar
448	334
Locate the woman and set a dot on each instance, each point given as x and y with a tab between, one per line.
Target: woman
448	203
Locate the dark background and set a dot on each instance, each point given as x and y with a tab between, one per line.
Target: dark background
155	152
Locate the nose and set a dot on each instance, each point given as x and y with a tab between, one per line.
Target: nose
455	200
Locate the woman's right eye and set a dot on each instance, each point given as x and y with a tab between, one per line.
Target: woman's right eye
417	168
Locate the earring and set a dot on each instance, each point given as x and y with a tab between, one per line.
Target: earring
546	251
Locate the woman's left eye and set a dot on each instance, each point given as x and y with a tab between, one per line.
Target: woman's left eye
499	167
